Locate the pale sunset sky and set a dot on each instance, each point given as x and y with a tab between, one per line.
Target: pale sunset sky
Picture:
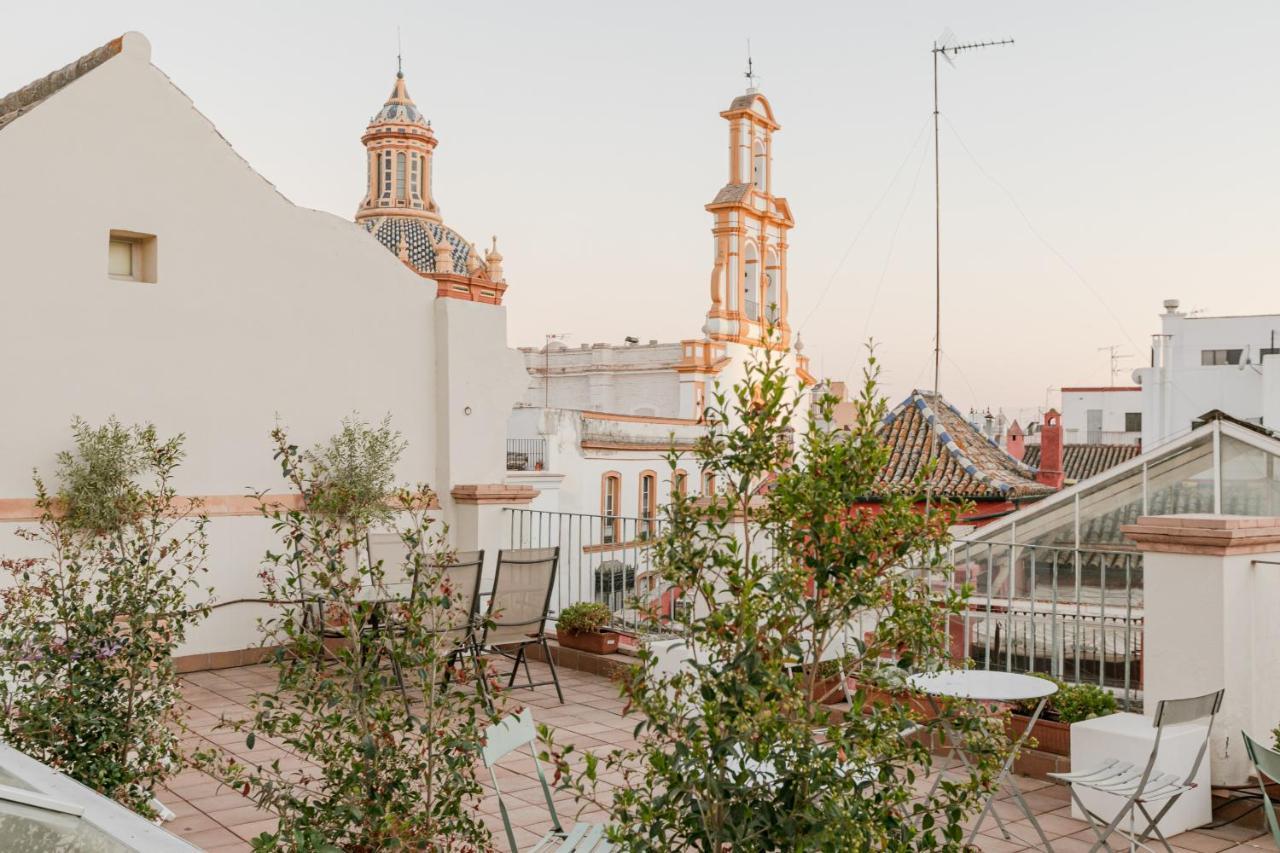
1118	154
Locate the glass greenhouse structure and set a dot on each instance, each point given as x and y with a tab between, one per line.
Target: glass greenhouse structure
1057	588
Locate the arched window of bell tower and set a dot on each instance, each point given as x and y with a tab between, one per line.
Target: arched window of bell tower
771	295
751	283
758	166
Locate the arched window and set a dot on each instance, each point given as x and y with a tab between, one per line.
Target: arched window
648	502
414	179
771	306
386	174
751	283
610	494
680	482
758	166
708	483
402	188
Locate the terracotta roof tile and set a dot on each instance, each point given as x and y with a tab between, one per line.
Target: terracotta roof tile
1082	461
970	465
23	100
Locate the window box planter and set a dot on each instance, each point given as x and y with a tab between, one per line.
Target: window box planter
595	642
827	691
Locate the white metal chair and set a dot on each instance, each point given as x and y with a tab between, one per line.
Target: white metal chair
1144	786
509	735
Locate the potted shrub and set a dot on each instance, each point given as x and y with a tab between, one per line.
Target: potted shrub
581	627
1071	704
827	687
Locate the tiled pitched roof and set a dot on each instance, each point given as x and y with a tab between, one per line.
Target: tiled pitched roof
23	100
730	193
970	465
1082	461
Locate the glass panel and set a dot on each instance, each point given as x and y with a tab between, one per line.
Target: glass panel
120	258
1182	483
1250	481
27	828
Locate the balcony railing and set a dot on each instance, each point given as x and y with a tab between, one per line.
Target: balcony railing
526	454
1075	614
605	559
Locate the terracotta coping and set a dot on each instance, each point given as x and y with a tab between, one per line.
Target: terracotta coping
212	506
1205	534
493	493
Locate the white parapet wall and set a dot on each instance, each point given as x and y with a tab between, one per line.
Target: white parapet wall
1212	595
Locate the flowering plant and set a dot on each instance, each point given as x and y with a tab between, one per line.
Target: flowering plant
88	627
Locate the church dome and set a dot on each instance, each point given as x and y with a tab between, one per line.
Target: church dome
399	108
422	244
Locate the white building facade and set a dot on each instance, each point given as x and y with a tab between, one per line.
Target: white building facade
1102	414
1203	363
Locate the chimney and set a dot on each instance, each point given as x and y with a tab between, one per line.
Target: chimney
1016	442
1051	450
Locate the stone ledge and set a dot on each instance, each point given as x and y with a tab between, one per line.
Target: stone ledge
609	666
1218	535
493	493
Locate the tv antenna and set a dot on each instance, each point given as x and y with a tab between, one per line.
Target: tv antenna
945	47
1115	356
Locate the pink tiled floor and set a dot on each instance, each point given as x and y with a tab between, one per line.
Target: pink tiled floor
217	818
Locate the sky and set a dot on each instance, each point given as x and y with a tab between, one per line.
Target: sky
1116	155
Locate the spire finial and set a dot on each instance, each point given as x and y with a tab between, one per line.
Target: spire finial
399	55
750	73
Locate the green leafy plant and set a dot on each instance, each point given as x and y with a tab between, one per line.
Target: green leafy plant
381	772
88	629
352	474
1073	702
733	752
584	617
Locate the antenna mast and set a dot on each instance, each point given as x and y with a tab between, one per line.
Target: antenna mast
1115	356
941	47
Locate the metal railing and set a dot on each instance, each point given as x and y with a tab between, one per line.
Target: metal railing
1073	613
526	454
605	559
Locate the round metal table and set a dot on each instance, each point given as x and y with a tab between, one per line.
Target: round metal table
980	685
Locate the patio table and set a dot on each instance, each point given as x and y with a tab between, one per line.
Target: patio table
984	686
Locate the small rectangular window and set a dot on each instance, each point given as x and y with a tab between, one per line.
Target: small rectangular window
131	256
120	258
1133	421
1220	356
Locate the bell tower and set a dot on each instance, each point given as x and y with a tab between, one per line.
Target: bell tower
399	143
749	275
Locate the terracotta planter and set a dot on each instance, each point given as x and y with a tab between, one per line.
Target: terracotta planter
1051	735
878	696
595	642
827	691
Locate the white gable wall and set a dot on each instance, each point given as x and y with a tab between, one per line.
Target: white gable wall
261	309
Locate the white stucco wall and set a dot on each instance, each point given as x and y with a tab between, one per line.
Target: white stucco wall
1177	388
1112	403
630	379
262	310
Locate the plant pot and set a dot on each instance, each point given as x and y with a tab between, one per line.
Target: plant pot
879	696
595	642
827	691
1051	735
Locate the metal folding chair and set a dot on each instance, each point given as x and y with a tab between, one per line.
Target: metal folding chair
517	616
1266	762
1146	785
505	737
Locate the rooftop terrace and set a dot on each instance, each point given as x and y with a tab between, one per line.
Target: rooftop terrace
215	817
